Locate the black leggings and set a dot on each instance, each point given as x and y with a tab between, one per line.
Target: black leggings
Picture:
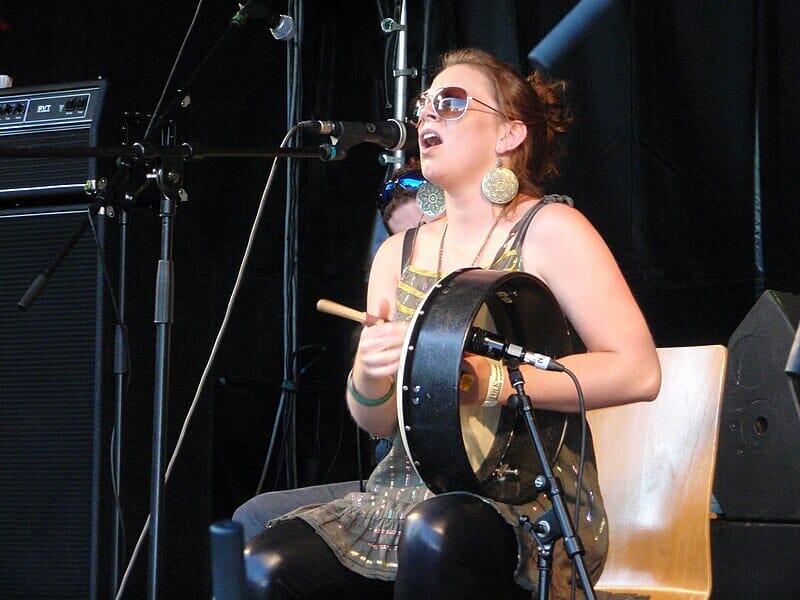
453	546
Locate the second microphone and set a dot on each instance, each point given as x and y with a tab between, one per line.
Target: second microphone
390	135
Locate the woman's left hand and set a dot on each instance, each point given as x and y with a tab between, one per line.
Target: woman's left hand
474	380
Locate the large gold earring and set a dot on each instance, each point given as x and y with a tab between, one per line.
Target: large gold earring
500	185
430	199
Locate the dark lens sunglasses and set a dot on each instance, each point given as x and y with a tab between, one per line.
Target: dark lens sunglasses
408	181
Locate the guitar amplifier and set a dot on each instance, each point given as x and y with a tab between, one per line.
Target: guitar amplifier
65	114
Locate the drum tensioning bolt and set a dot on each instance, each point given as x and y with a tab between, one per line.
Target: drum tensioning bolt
503	471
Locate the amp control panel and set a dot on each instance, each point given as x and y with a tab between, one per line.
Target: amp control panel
58	115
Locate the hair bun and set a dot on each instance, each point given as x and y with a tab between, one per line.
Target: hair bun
552	94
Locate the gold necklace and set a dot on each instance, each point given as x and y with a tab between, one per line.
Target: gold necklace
480	250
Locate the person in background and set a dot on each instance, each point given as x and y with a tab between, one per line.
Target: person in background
489	140
398	206
397	202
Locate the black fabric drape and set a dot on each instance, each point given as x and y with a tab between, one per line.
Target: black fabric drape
661	158
779	130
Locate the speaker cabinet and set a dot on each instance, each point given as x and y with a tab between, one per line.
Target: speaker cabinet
758	458
754	560
57	396
56	406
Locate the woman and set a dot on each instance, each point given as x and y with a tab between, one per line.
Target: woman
479	120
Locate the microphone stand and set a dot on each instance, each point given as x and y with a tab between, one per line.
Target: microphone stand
121	375
401	73
556	522
169	177
186	152
121	350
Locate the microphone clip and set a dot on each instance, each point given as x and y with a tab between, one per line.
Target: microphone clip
281	26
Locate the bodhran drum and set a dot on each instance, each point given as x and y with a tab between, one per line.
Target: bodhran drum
485	450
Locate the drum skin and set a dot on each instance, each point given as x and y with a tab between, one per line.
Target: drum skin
435	429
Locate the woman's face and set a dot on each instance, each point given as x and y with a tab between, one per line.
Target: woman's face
458	152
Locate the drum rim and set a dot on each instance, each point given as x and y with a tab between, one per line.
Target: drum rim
407	363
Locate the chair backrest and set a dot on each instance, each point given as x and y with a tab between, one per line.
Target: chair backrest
656	468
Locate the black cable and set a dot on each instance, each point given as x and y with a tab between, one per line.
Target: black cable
112	295
115	483
339	442
289	415
388	54
291	215
115	477
281	456
320	347
582	458
271	446
288	438
359	462
316	453
155	114
156	120
381	12
426	43
581	461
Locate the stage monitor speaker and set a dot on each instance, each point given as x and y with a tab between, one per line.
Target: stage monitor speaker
758	457
754	560
56	409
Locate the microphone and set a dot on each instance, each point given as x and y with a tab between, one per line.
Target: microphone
281	26
390	135
480	341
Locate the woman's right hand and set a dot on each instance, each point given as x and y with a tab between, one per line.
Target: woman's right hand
374	372
380	346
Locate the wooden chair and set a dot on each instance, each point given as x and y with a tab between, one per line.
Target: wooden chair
656	467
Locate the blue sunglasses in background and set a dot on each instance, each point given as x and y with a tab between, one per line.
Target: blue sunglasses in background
407	181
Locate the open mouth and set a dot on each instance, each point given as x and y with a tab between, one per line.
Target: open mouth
430	139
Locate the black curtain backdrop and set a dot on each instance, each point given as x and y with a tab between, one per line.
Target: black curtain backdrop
779	127
661	160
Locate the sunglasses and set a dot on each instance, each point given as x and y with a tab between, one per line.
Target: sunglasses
448	103
409	181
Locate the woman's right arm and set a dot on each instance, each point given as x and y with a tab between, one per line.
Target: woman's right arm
380	346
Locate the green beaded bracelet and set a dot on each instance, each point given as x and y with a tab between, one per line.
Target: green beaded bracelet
367	401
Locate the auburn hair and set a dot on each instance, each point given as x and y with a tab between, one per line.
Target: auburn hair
537	101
